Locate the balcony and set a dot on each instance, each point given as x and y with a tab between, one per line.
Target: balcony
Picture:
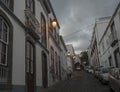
113	39
31	22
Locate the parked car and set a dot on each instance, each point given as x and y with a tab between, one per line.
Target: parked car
104	74
96	72
114	79
89	69
78	69
86	68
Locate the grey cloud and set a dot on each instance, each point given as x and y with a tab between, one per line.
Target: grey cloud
77	18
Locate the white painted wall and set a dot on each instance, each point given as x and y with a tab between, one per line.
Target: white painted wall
69	65
18	77
101	25
38	10
70	49
18	63
63	57
18	72
57	50
19	7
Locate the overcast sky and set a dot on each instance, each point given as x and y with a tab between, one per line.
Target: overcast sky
77	18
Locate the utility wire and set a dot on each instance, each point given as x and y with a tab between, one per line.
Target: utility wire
116	2
81	29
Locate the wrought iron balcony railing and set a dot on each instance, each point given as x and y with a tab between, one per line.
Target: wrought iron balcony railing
31	21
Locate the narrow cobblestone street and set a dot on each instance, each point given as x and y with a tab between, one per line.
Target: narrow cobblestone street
80	82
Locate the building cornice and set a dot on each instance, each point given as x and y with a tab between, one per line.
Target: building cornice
53	13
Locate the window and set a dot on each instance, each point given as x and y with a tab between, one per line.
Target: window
52	60
4	31
103	46
59	73
107	43
56	63
6	2
51	25
6	45
29	57
43	30
30	5
45	5
113	27
110	61
55	33
117	57
113	31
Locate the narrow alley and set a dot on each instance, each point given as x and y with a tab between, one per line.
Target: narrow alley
59	45
80	82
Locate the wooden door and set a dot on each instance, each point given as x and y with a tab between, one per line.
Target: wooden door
44	70
30	79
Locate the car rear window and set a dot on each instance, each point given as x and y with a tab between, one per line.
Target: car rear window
105	70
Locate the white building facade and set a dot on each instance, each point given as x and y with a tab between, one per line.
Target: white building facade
55	50
63	59
70	61
25	45
107	31
100	27
111	40
96	47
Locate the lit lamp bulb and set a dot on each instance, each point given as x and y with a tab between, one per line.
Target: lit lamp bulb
74	57
68	54
54	23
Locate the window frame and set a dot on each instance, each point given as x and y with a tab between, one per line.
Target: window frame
56	63
10	4
7	4
30	59
8	84
51	26
28	5
113	30
3	42
52	60
43	30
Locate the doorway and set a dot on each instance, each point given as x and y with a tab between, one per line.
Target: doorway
117	57
44	70
30	66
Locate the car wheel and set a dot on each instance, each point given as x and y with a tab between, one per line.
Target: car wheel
111	90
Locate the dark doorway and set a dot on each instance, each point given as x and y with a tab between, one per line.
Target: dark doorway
30	67
44	70
59	69
117	57
110	61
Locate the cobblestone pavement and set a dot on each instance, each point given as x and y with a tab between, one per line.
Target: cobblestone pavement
80	82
